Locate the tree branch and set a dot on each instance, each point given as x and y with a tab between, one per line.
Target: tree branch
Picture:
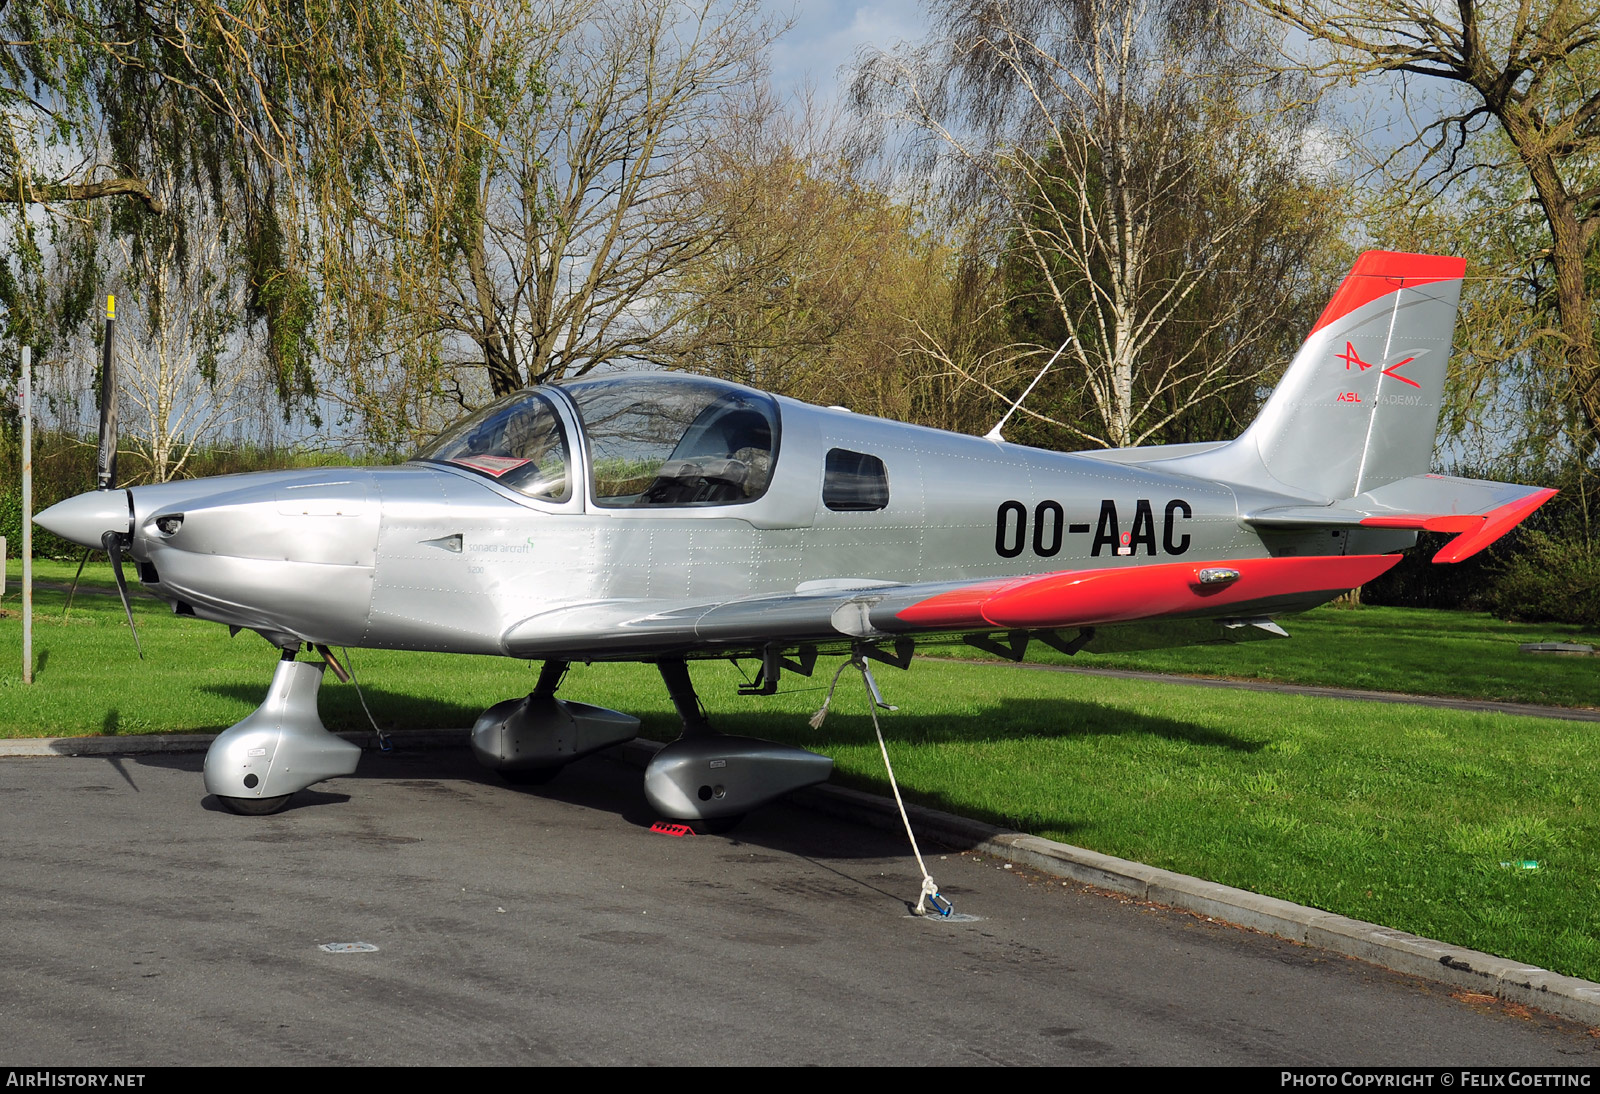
50	193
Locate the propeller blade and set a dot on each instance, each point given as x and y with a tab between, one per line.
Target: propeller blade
112	542
106	457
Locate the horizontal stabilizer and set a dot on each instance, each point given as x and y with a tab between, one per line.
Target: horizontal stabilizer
1476	511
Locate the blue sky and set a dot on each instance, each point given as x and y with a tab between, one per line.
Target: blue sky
828	33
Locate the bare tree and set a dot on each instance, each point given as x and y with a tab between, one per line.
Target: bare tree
1531	70
528	196
189	368
188	364
1118	165
817	279
433	199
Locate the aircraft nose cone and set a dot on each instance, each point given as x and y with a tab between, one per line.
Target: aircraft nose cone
87	517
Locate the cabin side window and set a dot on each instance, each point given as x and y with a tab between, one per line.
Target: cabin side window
854	482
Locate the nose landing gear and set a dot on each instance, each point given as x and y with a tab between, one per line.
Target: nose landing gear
282	746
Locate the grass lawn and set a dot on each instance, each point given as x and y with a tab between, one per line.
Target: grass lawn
1469	655
1395	814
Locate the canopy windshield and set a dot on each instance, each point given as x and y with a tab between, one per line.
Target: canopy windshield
674	440
518	441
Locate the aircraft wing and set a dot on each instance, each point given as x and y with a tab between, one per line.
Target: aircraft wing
1235	592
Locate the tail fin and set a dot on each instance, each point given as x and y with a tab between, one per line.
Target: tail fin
1349	430
1359	404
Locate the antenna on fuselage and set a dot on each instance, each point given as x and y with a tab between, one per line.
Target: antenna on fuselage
994	434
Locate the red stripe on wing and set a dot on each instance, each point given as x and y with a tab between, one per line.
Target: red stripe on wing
1089	597
961	607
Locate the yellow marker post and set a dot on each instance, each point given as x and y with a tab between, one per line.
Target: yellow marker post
27	515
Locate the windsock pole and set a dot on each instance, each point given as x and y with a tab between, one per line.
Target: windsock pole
27	515
106	471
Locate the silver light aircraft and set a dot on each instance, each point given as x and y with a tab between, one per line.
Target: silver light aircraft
669	517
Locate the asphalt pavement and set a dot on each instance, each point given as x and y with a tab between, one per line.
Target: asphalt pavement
512	926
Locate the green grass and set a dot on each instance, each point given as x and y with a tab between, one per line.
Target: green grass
194	678
1395	814
1470	655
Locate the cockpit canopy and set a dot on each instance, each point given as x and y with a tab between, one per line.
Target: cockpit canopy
654	440
666	440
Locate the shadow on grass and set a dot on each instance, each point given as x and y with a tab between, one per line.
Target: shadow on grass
340	708
1006	720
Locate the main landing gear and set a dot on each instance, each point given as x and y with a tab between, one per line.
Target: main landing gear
529	740
703	776
717	777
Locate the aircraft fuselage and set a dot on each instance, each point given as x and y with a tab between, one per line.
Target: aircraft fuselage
432	556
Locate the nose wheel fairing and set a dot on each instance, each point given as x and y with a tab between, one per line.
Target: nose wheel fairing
280	747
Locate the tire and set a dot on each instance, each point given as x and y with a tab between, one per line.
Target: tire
716	826
255	807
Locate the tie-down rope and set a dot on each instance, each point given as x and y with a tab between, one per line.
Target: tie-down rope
928	900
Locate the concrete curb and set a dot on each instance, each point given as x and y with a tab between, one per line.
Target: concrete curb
1510	981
